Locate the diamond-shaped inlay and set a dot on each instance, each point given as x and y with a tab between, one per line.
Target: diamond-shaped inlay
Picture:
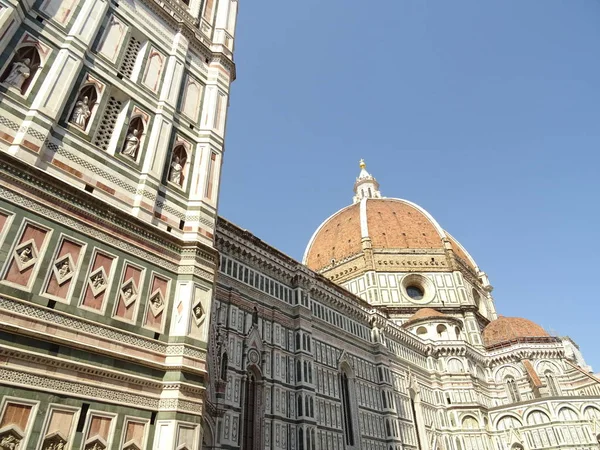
63	269
157	302
129	292
98	281
10	438
54	441
95	443
26	255
198	313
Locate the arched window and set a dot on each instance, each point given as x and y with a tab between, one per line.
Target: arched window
388	429
470	423
512	390
305	371
300	439
421	331
297	341
455	366
567	414
347	409
508	423
177	167
250	411
22	69
591	413
441	331
383	399
299	408
537	418
298	371
551	382
312	407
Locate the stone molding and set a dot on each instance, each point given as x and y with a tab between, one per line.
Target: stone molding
141	348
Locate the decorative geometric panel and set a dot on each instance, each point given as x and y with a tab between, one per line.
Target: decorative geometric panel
126	303
133	48
157	302
26	254
107	124
98	281
63	269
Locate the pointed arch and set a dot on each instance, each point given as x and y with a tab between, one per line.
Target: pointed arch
348	394
252	409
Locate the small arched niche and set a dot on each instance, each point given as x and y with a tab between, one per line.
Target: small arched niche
22	69
178	166
84	106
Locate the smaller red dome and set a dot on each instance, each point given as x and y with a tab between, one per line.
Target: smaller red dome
506	329
424	314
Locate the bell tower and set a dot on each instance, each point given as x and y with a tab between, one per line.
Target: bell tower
112	128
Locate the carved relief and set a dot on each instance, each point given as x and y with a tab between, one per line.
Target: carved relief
129	292
55	441
96	443
63	269
26	255
10	438
157	303
98	281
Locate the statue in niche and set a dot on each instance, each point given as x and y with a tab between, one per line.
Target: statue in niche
81	113
19	72
255	316
177	165
132	144
176	171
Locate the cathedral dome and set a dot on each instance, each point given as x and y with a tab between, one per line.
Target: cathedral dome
506	329
425	314
379	224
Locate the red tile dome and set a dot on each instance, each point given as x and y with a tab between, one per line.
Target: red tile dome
507	329
425	314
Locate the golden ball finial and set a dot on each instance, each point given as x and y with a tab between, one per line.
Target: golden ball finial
362	164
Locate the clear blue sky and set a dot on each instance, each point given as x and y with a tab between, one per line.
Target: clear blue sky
486	113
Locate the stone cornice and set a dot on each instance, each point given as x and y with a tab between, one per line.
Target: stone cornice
59	197
181	20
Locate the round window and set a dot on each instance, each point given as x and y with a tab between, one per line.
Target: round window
415	292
